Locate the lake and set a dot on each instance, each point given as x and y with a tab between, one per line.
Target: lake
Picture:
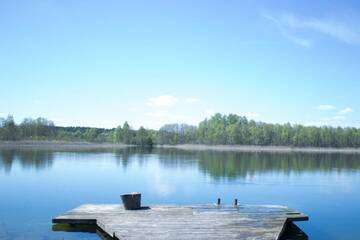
38	184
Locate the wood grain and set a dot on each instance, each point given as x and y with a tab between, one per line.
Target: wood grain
255	222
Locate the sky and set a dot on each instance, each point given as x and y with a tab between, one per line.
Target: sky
100	63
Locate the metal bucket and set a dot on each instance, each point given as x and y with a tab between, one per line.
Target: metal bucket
131	201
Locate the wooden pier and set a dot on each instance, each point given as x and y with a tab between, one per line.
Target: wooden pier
265	222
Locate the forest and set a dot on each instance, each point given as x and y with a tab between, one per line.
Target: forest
221	129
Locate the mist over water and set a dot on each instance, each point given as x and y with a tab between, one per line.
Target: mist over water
37	184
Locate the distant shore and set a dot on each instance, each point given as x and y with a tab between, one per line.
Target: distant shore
60	144
246	148
189	147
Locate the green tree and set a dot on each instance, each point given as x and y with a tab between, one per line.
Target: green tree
9	129
127	134
143	138
91	135
117	138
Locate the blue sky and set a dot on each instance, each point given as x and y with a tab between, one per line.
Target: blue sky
99	63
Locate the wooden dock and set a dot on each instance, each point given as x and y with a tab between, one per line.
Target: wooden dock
265	222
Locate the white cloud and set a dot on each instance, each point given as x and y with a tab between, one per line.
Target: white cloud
292	26
325	107
192	100
346	111
162	101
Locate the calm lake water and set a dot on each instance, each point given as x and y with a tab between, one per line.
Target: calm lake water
37	184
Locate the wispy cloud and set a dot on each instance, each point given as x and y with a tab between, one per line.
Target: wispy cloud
163	101
325	107
334	29
298	40
299	29
345	111
192	100
286	31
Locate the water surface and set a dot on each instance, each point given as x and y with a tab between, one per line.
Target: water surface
37	184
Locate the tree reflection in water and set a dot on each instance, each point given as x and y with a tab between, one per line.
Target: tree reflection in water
213	163
27	158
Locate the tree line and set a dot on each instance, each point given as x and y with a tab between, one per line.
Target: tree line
219	129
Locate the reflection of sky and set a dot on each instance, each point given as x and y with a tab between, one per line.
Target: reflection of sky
158	181
30	197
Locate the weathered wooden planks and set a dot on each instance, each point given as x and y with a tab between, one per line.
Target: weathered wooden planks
254	222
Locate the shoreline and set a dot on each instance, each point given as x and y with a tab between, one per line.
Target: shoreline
254	148
60	145
188	147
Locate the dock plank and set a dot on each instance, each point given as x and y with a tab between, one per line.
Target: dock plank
255	222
